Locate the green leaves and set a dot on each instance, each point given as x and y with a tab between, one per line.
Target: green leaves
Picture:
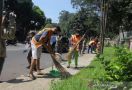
118	68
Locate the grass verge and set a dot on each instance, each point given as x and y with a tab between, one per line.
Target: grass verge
89	78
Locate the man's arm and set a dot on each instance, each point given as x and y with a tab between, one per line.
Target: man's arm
43	36
49	47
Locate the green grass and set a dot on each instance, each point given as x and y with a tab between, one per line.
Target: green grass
108	52
86	78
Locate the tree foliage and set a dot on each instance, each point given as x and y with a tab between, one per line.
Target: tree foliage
118	14
65	20
86	18
38	17
85	21
28	15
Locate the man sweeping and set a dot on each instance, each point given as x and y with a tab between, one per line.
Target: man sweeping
41	38
75	38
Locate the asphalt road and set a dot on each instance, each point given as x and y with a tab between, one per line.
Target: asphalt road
15	63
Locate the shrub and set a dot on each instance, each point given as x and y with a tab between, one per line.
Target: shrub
119	67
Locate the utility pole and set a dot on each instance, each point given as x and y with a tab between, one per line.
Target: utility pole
2	42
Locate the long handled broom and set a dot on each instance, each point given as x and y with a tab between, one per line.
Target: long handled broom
62	70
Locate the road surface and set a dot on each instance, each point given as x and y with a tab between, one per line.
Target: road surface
16	62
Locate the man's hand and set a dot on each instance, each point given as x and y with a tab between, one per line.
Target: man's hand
48	47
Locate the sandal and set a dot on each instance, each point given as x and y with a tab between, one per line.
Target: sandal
32	76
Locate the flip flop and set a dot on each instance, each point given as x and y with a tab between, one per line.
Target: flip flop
32	77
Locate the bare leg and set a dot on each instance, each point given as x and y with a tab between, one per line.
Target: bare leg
38	65
29	58
31	69
29	62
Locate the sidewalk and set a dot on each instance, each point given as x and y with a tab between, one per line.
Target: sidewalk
43	83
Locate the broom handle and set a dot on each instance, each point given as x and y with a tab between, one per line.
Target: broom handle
79	40
50	52
57	64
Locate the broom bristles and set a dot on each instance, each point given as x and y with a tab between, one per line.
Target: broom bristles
62	70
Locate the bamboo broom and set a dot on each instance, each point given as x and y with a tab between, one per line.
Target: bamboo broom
62	70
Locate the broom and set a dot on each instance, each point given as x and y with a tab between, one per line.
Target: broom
62	70
72	48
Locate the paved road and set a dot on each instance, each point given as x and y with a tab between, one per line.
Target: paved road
15	63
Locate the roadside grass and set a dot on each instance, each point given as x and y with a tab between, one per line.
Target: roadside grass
82	80
108	52
89	78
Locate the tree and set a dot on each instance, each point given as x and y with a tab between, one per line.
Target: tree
85	21
82	20
115	15
88	15
29	16
120	15
38	17
48	21
64	21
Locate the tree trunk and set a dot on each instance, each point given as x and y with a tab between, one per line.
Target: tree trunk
103	22
2	43
102	27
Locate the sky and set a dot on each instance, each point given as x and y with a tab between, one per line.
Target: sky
52	8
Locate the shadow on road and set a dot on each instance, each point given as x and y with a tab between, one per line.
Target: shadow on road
78	68
48	75
18	81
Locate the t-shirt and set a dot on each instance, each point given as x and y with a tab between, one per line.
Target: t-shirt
37	36
46	34
74	40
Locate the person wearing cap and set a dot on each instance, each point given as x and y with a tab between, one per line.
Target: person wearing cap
41	38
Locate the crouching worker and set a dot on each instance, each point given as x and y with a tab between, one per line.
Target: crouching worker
41	38
75	53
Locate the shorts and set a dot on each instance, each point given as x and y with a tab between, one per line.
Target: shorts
36	52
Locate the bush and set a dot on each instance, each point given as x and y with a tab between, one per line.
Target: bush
119	67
